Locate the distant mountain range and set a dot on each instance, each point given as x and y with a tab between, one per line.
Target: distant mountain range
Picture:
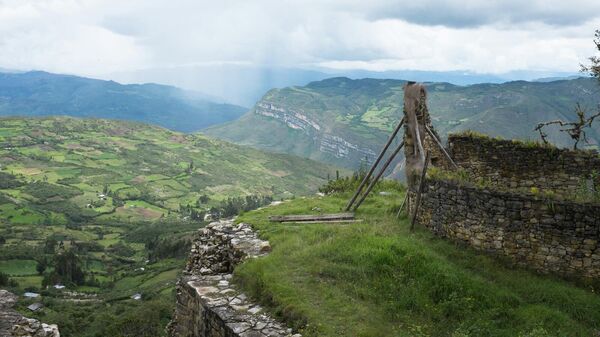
245	84
39	94
342	121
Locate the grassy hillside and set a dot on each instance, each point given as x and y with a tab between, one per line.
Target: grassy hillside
125	198
41	94
377	278
361	113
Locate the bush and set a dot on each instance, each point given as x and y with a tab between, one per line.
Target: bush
8	180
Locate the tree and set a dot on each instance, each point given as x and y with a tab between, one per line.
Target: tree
41	266
574	129
67	268
50	245
594	67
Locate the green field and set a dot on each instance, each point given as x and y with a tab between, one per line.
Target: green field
126	198
18	267
377	278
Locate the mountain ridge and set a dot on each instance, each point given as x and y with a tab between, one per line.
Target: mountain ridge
340	120
39	93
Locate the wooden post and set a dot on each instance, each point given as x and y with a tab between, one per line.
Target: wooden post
439	144
374	181
402	205
421	185
381	154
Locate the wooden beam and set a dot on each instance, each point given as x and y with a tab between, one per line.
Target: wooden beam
370	173
309	217
421	185
374	181
439	144
324	221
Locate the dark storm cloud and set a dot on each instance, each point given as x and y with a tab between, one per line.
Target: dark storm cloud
461	14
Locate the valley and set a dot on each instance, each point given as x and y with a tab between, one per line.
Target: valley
124	198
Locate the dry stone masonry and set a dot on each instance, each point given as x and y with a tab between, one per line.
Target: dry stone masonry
517	165
511	214
549	236
13	324
207	304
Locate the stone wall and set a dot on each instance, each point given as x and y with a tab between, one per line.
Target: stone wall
207	304
512	164
13	324
549	236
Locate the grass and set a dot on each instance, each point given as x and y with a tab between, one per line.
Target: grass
376	278
18	267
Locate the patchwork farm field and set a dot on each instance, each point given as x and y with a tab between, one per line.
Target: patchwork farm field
124	199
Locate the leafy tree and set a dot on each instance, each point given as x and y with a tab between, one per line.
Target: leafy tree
41	266
67	270
4	280
50	245
594	67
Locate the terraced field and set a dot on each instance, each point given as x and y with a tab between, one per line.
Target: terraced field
125	197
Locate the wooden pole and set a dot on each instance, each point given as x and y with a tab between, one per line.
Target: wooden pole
374	181
439	144
381	154
421	185
402	205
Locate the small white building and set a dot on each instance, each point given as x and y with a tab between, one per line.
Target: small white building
31	295
35	306
136	297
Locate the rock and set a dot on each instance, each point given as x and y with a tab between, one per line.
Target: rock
14	324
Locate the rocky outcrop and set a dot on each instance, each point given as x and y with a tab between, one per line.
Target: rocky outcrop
326	142
13	324
293	119
207	304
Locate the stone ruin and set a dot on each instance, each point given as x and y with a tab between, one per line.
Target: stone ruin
516	200
208	305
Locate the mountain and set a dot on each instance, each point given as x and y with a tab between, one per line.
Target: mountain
342	121
245	84
39	94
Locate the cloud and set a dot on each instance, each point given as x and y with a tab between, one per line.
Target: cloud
474	13
99	37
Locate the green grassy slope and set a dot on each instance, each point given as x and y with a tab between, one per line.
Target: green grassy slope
363	112
376	278
134	239
39	93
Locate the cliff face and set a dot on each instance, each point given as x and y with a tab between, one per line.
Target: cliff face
327	142
207	304
13	324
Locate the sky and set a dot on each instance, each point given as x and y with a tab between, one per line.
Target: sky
101	37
